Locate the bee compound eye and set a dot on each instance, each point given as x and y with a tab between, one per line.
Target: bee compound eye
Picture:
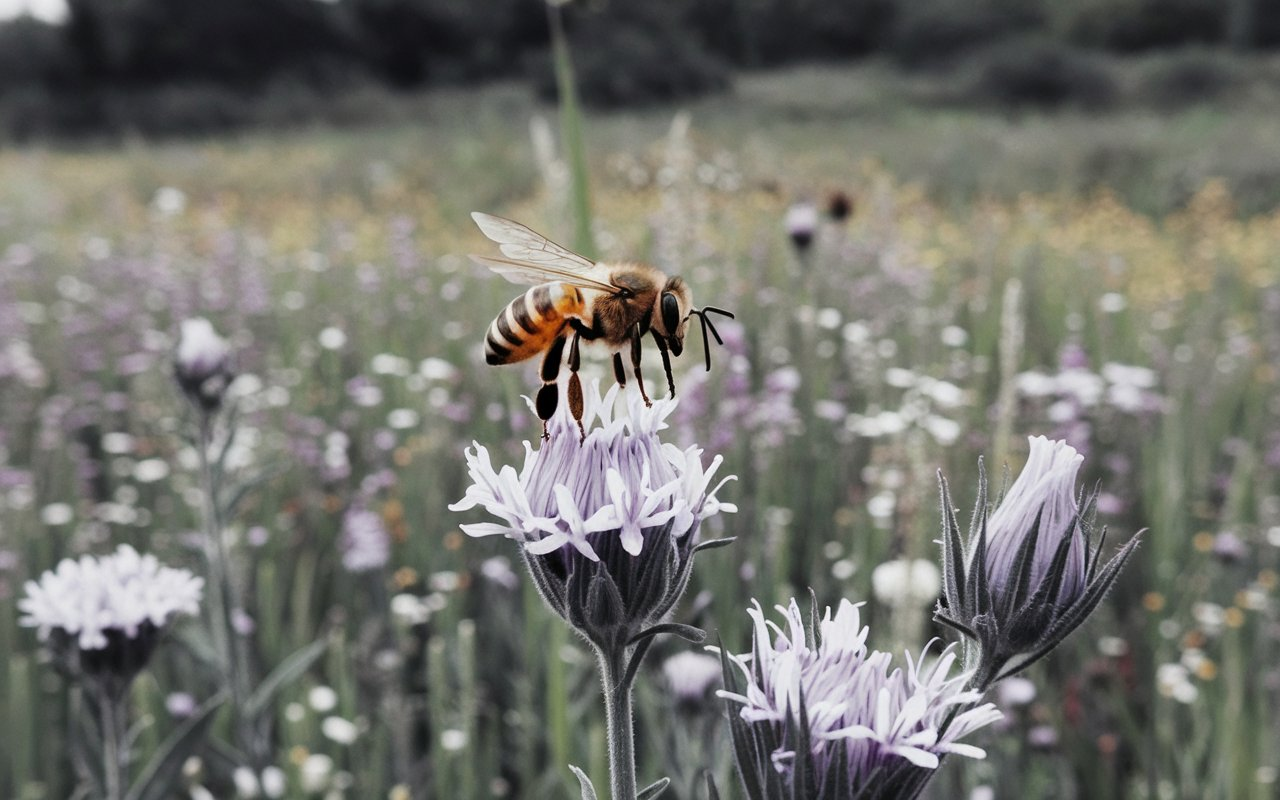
670	313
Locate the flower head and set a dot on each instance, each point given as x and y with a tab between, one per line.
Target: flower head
1026	575
614	516
821	710
801	222
365	543
202	364
110	609
690	677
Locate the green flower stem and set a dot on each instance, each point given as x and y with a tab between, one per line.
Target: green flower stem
221	596
571	130
621	725
114	727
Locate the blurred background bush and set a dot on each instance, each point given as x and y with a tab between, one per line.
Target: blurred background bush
186	66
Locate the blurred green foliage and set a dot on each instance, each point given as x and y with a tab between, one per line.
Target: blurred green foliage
115	66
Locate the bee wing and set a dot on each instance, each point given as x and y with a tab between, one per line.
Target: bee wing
518	243
536	274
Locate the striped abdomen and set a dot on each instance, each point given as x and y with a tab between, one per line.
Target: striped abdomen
531	322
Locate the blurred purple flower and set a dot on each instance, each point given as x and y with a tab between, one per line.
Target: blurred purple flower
365	543
1229	548
691	676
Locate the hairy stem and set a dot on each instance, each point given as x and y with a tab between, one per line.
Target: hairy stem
621	727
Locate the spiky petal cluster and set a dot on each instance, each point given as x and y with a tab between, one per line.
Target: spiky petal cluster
608	523
1027	574
823	717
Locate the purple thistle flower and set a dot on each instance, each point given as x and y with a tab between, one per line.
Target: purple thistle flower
1026	575
823	717
608	525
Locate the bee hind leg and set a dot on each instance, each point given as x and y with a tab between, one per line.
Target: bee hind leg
635	365
548	396
575	387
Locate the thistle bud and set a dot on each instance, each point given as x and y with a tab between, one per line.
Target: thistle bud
1027	574
202	364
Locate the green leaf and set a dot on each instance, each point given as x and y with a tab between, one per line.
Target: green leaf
687	632
157	779
654	789
588	791
712	544
286	673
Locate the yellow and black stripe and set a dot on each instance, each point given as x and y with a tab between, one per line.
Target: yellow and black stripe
531	322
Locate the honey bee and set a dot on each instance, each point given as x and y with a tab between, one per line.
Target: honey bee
575	299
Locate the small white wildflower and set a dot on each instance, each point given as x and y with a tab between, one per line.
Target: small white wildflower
339	730
332	338
322	699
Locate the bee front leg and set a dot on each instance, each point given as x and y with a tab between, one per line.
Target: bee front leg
666	362
619	371
635	364
548	396
575	387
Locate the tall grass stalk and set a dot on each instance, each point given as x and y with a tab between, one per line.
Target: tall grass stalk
1012	338
571	133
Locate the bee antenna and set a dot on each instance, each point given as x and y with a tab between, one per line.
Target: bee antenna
708	325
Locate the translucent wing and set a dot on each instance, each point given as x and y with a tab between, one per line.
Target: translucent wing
536	274
518	243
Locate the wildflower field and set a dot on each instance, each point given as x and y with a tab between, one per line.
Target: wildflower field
370	648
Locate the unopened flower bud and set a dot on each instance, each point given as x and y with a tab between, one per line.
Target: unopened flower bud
202	364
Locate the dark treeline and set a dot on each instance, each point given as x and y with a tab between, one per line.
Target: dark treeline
627	51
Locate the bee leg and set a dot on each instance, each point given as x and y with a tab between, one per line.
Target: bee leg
575	387
548	397
635	365
619	372
666	363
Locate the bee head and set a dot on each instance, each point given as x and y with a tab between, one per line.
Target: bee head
671	314
671	318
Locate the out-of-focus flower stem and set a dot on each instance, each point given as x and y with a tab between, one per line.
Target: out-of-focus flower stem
571	131
221	597
621	726
114	726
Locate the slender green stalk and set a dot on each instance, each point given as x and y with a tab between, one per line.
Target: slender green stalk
114	725
221	597
571	133
621	724
1012	337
